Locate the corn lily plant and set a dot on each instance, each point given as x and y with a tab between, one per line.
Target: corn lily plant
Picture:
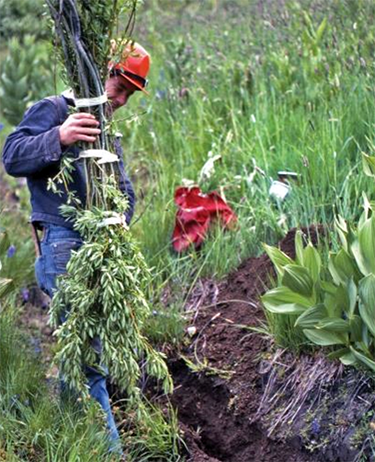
333	305
104	288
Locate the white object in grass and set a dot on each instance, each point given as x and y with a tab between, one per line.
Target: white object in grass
191	330
209	167
279	190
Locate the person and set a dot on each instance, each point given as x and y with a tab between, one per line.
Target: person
34	150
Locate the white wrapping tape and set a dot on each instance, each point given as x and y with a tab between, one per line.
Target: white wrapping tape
88	102
115	219
103	155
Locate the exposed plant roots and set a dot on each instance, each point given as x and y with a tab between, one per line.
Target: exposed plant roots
291	386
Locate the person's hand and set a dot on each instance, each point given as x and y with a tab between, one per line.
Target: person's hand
79	127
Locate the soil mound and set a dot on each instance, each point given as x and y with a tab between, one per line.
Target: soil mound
220	400
240	399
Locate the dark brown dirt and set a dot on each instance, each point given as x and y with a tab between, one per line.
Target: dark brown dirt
218	403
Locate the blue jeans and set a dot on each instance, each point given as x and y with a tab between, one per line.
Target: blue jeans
56	246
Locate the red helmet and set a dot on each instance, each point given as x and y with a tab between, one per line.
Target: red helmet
134	65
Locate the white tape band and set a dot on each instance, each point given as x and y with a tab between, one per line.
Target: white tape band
88	102
115	219
103	155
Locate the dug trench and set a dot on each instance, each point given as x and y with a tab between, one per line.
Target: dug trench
240	399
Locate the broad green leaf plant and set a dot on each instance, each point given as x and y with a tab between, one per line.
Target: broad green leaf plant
334	306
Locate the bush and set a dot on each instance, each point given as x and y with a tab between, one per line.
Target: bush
21	17
26	76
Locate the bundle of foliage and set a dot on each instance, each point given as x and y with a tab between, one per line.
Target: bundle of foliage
333	305
105	290
25	77
107	278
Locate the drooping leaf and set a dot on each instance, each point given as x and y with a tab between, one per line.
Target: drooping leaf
342	267
366	243
367	301
355	249
348	359
341	228
368	163
298	243
282	300
336	302
338	325
342	300
363	359
328	287
311	317
368	208
336	354
324	338
356	328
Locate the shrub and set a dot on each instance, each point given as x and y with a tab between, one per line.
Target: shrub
22	17
26	76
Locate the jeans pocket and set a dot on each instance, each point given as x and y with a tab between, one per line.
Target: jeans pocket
62	251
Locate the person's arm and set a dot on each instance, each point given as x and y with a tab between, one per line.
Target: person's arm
35	143
39	141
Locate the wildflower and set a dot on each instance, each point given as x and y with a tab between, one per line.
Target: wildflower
315	427
35	344
161	94
11	251
183	93
25	294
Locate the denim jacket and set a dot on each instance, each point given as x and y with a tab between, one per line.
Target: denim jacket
34	151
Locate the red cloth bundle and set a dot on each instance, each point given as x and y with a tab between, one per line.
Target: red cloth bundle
196	211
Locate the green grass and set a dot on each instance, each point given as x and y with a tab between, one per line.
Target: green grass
259	91
33	424
36	426
263	86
